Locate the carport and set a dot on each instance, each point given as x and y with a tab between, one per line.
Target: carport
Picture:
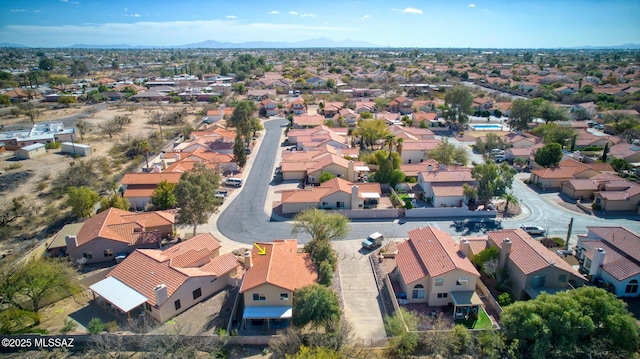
267	312
465	303
118	294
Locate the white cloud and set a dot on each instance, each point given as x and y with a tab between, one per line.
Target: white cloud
136	15
471	5
365	17
164	33
231	17
273	12
37	10
293	13
125	9
18	10
307	15
409	10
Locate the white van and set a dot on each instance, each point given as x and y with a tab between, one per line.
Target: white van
232	181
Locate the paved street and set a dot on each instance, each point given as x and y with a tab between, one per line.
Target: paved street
359	291
244	219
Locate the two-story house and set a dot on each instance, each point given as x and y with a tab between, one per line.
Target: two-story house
271	279
443	186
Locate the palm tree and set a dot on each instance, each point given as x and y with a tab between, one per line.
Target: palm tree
145	148
509	198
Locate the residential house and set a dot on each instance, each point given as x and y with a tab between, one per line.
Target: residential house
528	86
223	162
432	270
411	170
365	106
307	121
515	140
297	106
335	193
308	166
170	281
138	188
552	177
316	82
610	256
271	279
310	138
389	117
416	151
349	116
331	109
259	95
626	151
412	133
222	113
482	104
585	188
532	268
116	231
400	104
430	119
269	107
443	186
582	111
620	195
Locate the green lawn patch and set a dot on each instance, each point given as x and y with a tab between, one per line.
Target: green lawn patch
481	322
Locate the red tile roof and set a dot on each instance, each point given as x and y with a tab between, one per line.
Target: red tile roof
149	178
616	263
281	266
144	269
430	251
528	254
619	237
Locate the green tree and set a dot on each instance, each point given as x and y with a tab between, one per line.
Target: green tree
484	256
239	151
5	100
315	304
114	201
34	281
82	200
548	155
325	176
551	113
401	327
196	196
522	113
388	168
470	193
242	116
370	132
459	100
60	82
447	154
320	225
306	352
164	196
509	198
620	165
493	179
584	322
46	64
552	133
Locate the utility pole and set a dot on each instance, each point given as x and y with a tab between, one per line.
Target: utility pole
569	233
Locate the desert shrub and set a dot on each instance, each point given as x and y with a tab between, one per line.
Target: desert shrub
96	326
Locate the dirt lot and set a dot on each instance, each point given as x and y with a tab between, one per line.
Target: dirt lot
30	178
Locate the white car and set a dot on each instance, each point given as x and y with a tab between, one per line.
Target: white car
531	229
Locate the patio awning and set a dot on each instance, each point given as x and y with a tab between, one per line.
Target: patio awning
119	294
465	298
535	292
270	312
362	168
370	195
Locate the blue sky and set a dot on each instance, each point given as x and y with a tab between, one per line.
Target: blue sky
399	23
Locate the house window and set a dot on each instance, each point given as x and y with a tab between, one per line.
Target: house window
443	295
340	204
418	292
177	304
587	263
324	203
108	253
147	306
439	282
632	287
259	297
562	278
197	293
87	255
284	296
462	281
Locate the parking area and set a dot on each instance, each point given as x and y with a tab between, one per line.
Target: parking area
359	290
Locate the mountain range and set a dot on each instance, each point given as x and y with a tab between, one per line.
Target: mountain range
321	42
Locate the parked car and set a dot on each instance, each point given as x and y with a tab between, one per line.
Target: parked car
531	229
233	182
373	241
120	257
497	151
499	158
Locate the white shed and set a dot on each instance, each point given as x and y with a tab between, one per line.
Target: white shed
76	149
31	151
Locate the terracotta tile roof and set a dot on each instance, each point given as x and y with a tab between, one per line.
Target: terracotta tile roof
420	145
308	120
334	185
430	251
477	244
144	269
281	266
569	168
584	184
412	169
456	174
615	262
528	254
123	226
149	178
139	191
620	237
447	189
623	150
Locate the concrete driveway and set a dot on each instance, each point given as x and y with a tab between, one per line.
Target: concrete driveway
359	291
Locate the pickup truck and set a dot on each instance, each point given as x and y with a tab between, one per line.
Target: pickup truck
373	241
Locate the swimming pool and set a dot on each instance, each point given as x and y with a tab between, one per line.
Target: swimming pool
485	127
